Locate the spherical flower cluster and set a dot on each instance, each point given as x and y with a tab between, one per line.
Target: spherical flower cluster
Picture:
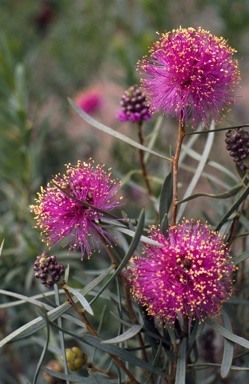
48	270
190	275
190	73
134	106
69	206
237	141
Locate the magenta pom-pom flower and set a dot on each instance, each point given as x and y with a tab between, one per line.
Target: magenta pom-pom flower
190	275
190	73
60	213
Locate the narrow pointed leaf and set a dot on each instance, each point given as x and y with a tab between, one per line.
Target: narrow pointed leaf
39	323
228	349
112	132
81	299
125	336
181	363
233	208
143	239
240	258
224	195
119	352
43	354
193	336
227	334
80	379
166	196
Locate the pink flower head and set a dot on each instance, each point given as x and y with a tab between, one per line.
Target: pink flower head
89	101
190	275
190	73
59	215
134	106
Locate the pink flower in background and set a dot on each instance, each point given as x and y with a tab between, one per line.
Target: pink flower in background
190	73
190	275
60	213
90	101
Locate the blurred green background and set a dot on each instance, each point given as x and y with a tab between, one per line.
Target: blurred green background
52	50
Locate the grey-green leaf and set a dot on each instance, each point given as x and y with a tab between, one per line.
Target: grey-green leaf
39	323
166	196
125	336
240	258
181	363
233	208
80	379
112	132
81	299
228	334
224	195
121	353
228	348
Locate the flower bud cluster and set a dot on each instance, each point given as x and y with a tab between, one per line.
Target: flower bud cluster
48	270
237	141
75	358
134	106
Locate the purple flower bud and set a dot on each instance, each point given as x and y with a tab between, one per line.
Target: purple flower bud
132	103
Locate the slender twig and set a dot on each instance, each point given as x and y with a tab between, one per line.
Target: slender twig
141	157
181	134
94	333
216	130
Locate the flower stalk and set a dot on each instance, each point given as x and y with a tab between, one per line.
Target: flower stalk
175	163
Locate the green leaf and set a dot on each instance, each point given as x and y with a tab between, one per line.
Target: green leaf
125	336
121	353
143	239
112	132
240	258
193	336
81	299
80	379
166	196
224	195
233	208
181	363
228	348
227	334
45	348
39	323
164	226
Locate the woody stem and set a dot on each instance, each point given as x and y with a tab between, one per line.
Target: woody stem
175	163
